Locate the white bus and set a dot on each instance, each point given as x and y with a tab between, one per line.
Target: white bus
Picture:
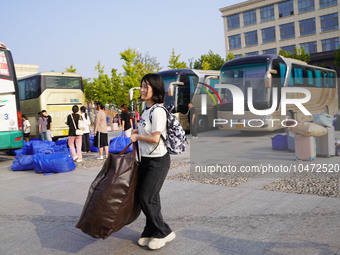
183	86
262	74
10	116
55	92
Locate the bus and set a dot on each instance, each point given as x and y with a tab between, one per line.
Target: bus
183	86
264	73
11	136
55	92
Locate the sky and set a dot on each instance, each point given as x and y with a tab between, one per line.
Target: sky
57	34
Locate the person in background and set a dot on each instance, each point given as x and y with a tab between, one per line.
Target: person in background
27	128
154	164
86	145
126	120
42	126
49	125
100	131
192	120
72	122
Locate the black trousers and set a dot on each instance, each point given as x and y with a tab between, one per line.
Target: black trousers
193	128
86	145
151	176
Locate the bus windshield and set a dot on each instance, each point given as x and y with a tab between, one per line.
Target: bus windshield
169	100
57	82
244	77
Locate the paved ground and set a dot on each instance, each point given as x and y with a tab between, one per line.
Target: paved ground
38	214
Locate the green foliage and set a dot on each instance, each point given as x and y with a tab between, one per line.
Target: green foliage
71	69
230	56
174	62
299	54
337	57
210	60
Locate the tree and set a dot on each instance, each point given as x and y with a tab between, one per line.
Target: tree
299	54
134	71
150	63
215	61
102	88
174	62
229	57
337	57
71	69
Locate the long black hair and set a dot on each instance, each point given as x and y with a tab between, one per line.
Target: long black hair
83	109
157	85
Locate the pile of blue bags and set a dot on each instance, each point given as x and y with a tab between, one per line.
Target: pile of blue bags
44	157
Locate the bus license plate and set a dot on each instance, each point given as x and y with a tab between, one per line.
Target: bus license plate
239	126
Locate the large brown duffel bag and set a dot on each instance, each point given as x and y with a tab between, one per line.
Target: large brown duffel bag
112	200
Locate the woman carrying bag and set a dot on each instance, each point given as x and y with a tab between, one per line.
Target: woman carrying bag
86	145
155	163
73	137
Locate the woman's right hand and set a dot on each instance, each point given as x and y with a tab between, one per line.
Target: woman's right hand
135	131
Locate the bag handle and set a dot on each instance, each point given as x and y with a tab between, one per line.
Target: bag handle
74	124
134	149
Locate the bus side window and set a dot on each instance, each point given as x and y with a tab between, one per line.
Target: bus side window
291	81
325	80
317	78
331	80
283	70
21	85
298	76
309	77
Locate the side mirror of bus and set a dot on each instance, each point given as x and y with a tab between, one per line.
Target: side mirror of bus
131	92
171	87
272	71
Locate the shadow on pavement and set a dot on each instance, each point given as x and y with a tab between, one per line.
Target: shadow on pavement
56	229
220	244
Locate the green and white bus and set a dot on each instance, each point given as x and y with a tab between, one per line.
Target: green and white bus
10	116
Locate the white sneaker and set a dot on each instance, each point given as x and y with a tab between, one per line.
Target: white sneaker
144	241
157	243
79	160
106	156
101	157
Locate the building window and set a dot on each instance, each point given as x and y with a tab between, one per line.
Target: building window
267	13
309	47
238	55
286	8
326	3
233	21
270	51
306	5
234	41
329	22
330	44
254	53
249	17
251	38
289	49
307	27
287	31
268	34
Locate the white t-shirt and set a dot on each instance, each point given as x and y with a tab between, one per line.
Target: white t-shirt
87	122
27	126
145	127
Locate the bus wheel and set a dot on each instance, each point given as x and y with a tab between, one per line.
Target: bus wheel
202	123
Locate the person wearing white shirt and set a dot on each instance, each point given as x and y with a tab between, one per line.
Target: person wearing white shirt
27	128
86	145
155	162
